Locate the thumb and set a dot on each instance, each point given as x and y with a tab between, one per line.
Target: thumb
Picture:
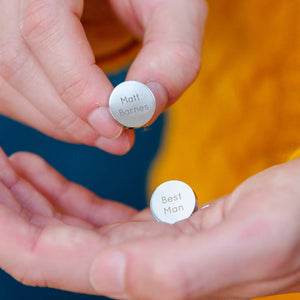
171	53
164	268
173	267
172	32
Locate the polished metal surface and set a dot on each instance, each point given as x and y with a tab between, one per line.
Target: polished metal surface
173	201
132	104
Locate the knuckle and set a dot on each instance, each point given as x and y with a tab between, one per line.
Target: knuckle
13	57
68	123
38	20
74	90
78	129
191	59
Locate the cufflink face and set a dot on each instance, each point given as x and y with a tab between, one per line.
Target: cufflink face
132	104
173	201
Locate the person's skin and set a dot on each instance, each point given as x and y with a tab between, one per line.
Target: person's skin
49	79
57	234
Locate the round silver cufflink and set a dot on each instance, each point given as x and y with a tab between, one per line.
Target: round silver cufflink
132	104
173	201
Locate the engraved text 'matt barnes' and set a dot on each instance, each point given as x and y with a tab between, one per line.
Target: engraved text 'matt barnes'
132	104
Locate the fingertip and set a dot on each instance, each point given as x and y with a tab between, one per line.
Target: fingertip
102	121
22	160
118	146
161	97
171	52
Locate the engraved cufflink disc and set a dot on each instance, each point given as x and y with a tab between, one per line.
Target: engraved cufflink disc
132	104
173	201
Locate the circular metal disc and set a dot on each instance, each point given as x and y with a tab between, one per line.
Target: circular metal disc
132	104
173	201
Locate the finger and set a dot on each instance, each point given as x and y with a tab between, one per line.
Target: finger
68	197
118	146
161	98
172	34
20	196
145	215
56	256
211	214
6	198
55	35
14	105
57	219
144	225
8	180
118	233
23	192
21	69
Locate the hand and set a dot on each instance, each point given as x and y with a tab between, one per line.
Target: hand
51	230
49	79
241	246
57	234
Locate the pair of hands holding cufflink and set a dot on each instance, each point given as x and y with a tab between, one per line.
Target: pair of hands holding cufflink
55	233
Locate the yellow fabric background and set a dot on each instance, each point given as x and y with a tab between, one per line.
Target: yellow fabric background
113	45
242	114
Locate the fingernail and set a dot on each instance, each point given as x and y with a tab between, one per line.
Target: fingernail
161	97
107	273
117	146
158	90
102	121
